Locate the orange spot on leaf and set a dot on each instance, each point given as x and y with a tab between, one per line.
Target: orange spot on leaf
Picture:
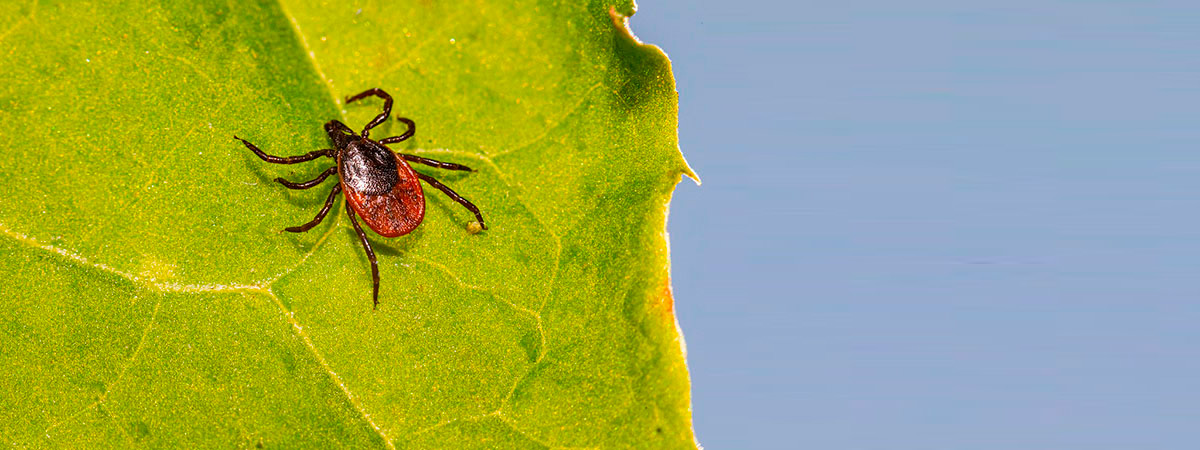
664	304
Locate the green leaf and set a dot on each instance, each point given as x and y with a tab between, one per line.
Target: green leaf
150	298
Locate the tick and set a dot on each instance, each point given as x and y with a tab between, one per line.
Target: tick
378	183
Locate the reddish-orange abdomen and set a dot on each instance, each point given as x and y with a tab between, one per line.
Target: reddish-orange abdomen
395	213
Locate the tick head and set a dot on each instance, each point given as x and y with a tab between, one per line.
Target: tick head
340	134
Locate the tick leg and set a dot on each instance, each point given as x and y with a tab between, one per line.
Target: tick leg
320	215
387	107
309	183
454	195
285	160
412	129
370	254
436	163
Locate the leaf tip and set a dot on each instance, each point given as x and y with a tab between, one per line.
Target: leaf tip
687	170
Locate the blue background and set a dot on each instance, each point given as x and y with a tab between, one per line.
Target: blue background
938	225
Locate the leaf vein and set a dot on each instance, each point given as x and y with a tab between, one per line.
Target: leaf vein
312	57
337	220
290	316
513	425
147	282
120	376
453	421
551	128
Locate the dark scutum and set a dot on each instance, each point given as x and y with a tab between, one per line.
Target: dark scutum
369	168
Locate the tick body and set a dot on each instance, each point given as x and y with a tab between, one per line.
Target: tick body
379	185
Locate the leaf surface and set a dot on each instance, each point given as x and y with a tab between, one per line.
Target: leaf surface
151	298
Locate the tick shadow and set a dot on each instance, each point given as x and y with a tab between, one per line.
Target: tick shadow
304	198
445	206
